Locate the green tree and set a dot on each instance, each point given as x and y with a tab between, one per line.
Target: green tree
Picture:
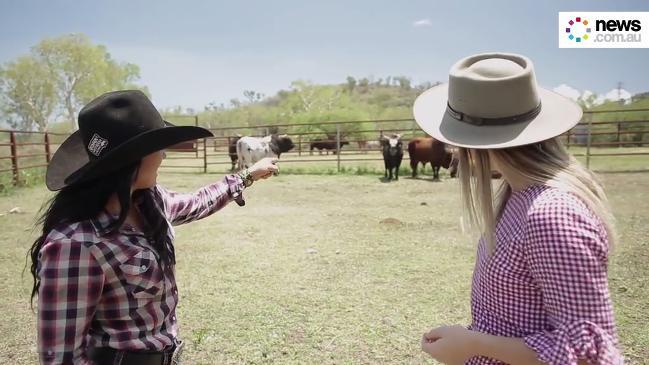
403	82
28	94
252	96
351	84
364	83
82	70
312	104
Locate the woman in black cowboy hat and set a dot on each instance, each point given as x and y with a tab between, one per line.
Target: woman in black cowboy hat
103	266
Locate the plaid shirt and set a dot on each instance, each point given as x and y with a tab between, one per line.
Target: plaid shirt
546	281
108	289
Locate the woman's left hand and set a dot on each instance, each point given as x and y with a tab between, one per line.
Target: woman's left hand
449	344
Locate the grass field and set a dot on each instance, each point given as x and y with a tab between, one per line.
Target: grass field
327	270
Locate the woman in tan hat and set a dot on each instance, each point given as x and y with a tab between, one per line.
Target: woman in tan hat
104	264
540	292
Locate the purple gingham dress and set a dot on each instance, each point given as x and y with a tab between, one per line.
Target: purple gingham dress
546	281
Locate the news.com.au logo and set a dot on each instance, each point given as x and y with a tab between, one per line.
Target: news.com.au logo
603	30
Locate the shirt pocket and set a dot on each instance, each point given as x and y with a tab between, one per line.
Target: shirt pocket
142	276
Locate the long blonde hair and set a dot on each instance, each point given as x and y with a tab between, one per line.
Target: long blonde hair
545	163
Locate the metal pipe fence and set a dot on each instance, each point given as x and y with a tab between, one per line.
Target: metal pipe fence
347	141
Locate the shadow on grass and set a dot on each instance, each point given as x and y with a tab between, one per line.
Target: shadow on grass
426	178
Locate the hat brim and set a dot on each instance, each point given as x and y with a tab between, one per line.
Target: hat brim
558	115
71	165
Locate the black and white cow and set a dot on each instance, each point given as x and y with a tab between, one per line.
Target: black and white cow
253	149
392	155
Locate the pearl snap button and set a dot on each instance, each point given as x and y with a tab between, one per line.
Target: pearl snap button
50	352
143	268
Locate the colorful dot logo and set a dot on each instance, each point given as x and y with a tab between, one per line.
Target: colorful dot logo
578	29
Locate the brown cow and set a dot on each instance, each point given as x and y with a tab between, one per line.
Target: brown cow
428	150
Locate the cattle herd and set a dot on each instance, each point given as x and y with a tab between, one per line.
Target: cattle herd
245	151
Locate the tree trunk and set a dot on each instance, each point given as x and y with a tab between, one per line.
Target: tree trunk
70	109
68	103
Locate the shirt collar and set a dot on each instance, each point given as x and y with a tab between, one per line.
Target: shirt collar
101	223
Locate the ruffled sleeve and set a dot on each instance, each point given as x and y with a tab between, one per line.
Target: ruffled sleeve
566	252
579	340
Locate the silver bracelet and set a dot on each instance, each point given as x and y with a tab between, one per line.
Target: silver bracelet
246	176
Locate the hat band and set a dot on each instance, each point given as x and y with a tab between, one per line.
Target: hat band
459	116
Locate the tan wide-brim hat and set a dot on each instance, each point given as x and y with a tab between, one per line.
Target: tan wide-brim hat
492	101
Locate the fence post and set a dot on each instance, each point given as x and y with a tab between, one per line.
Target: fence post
14	158
47	148
338	145
568	141
299	145
414	128
204	154
588	140
196	124
617	139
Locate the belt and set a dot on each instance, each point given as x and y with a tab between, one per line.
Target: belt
110	356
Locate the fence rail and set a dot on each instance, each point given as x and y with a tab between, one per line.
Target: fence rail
347	144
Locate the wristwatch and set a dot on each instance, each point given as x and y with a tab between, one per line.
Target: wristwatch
246	177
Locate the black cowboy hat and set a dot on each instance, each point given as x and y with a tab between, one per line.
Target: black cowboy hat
115	129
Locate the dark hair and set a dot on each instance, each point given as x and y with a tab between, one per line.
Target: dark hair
84	201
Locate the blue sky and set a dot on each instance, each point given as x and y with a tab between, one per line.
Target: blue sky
194	52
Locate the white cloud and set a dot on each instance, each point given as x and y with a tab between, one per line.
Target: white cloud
422	23
615	95
587	96
567	91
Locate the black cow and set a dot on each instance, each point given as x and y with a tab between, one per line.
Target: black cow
392	155
232	149
328	144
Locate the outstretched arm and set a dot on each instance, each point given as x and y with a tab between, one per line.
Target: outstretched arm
180	208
